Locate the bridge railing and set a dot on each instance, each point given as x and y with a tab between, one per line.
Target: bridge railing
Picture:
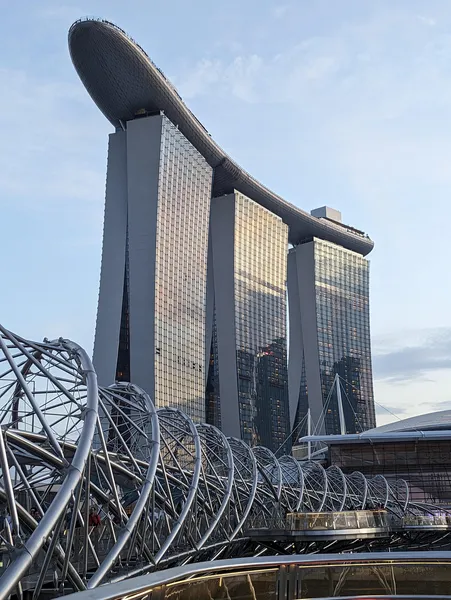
344	520
376	574
356	519
164	489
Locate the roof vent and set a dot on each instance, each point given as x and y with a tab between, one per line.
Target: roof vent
325	212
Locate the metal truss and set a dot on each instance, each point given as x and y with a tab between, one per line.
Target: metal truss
97	485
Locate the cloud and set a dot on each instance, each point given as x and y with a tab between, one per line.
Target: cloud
46	147
206	73
405	363
252	78
357	59
369	99
427	20
362	86
61	12
52	182
391	410
280	10
443	405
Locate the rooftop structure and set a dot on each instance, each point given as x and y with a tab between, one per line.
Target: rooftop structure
417	449
325	212
435	421
125	84
435	425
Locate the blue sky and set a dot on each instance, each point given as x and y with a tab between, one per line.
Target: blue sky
345	103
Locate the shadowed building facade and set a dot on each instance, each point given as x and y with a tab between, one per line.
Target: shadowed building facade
151	314
329	335
247	386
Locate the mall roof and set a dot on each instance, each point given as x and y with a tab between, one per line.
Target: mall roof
435	421
124	82
432	426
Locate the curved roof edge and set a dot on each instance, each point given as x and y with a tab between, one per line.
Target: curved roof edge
122	80
435	421
377	438
431	426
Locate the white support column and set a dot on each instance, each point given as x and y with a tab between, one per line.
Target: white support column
340	405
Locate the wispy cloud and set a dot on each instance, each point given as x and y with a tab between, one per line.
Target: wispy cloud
45	138
357	59
279	11
427	20
52	182
253	78
389	410
374	92
205	74
436	406
61	12
405	363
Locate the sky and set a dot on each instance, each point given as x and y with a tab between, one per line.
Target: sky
338	102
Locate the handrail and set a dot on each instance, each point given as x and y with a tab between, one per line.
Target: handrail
144	584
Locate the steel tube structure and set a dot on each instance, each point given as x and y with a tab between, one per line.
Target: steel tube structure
20	410
96	485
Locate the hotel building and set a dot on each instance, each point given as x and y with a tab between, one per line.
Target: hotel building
192	302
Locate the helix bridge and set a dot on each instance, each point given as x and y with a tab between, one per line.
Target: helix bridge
164	491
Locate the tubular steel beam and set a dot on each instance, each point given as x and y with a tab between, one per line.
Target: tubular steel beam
98	485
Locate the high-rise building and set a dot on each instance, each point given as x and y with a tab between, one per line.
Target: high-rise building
247	386
329	336
151	313
156	324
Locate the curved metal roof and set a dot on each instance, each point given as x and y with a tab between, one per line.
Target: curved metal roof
431	426
122	80
435	421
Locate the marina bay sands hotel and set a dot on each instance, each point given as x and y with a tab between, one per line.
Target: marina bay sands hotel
201	265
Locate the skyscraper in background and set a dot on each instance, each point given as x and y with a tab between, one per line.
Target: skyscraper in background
247	386
329	336
154	265
221	352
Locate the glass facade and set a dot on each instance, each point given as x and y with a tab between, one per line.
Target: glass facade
424	463
183	211
343	330
259	280
184	192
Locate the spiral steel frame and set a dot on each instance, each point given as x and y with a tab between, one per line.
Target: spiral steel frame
167	491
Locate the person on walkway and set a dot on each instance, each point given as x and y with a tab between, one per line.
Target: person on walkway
94	517
35	514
